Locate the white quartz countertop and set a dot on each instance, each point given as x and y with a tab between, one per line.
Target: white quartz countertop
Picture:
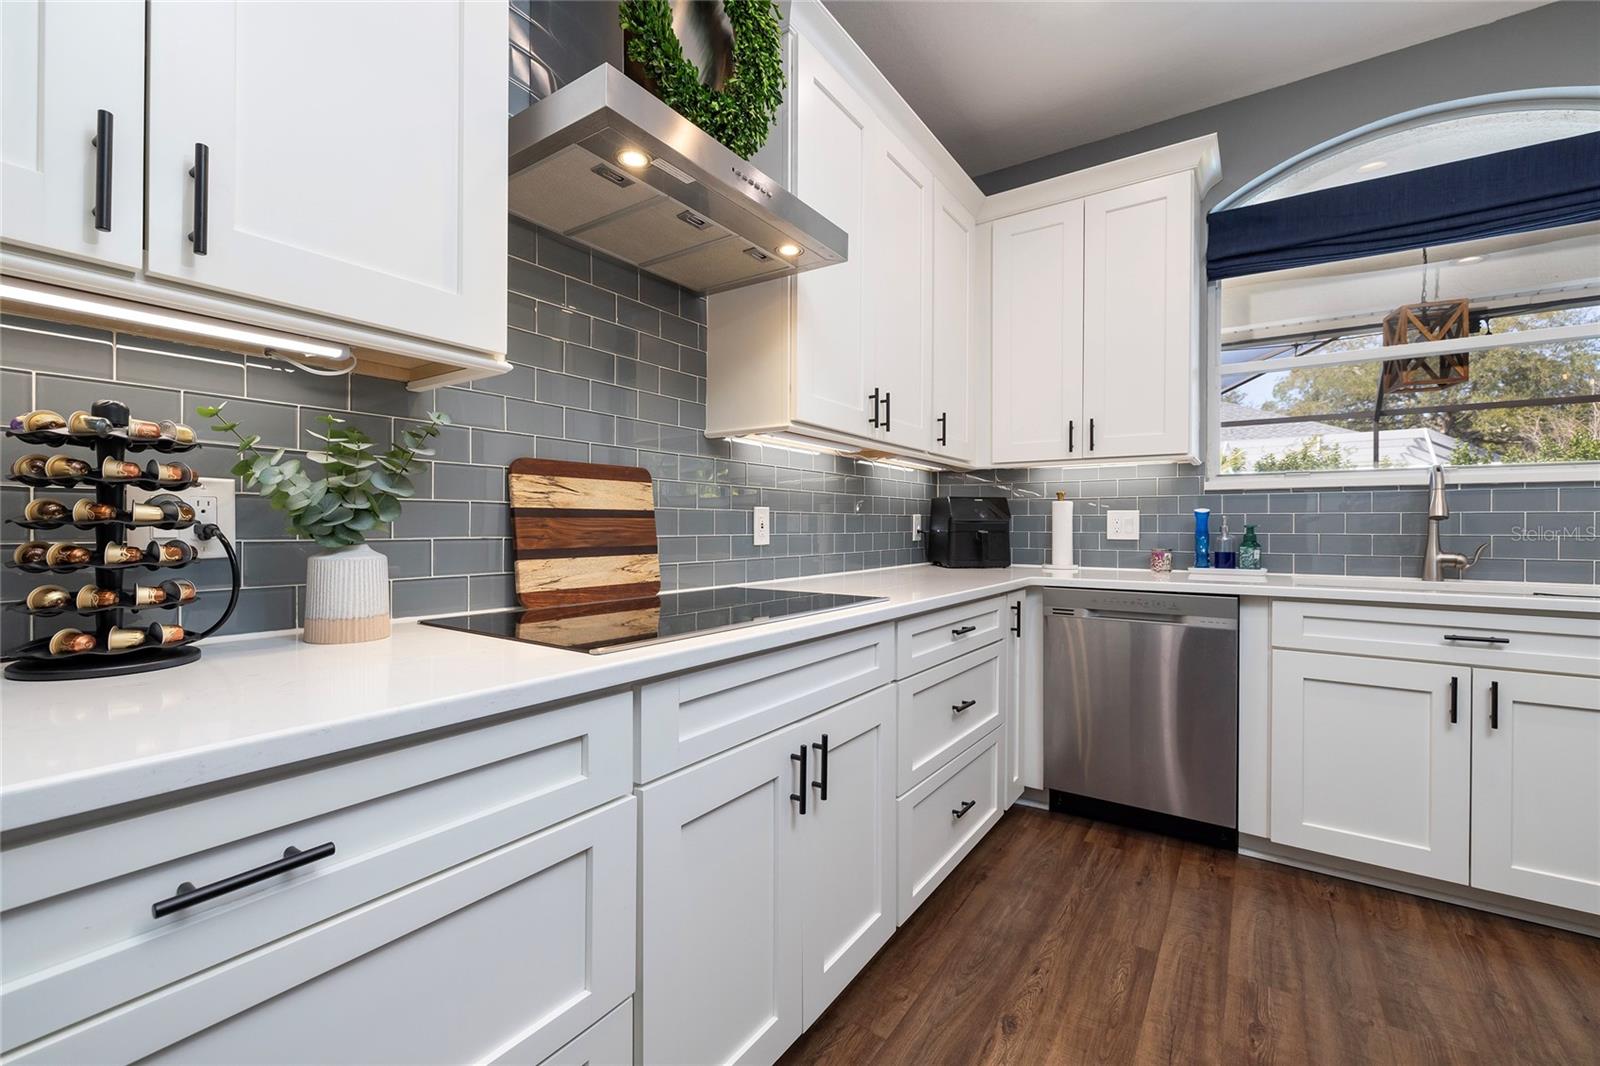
252	704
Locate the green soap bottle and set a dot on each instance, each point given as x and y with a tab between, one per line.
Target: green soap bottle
1249	550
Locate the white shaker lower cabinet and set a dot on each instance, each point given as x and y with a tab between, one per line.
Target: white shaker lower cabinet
1536	787
1023	700
1371	761
943	818
754	914
310	191
504	958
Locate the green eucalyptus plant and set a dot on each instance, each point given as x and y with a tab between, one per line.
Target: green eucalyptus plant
360	492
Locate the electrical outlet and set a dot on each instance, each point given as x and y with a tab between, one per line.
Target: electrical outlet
1122	525
916	528
213	504
763	526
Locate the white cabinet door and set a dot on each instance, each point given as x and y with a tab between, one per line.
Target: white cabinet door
1013	700
1024	678
954	415
849	844
899	287
356	164
1371	761
63	64
1139	332
720	907
831	143
1038	335
1536	787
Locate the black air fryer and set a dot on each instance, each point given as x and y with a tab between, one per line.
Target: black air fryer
970	531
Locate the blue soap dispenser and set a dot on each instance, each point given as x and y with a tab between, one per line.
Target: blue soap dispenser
1202	538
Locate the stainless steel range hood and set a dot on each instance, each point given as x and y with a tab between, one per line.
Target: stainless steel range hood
695	213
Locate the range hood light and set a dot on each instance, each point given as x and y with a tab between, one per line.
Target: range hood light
633	159
788	251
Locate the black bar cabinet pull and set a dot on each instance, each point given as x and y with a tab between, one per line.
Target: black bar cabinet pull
800	796
944	428
188	895
201	173
961	811
1071	428
963	631
1091	434
821	784
1455	689
1477	640
886	413
963	705
1494	705
102	170
1016	623
877	400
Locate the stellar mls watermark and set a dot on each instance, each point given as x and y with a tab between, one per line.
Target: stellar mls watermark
1543	532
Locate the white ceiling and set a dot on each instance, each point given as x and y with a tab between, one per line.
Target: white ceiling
1001	82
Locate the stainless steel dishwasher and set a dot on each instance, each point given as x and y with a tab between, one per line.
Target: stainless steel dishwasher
1141	709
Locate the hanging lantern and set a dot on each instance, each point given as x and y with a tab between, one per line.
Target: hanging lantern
1431	320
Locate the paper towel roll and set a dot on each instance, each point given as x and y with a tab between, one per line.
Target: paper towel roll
1061	535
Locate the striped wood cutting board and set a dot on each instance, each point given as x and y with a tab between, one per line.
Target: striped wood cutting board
584	533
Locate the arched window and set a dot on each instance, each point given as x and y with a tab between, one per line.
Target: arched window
1312	386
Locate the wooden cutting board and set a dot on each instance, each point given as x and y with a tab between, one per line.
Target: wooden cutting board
582	533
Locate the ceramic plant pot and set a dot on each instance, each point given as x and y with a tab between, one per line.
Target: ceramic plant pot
347	596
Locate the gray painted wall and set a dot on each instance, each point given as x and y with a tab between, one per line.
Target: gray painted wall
1555	45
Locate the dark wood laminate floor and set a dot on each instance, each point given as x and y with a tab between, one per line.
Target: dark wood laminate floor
1061	940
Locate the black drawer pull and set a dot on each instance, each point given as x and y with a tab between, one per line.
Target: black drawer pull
800	796
102	170
1455	689
201	173
1091	434
1016	625
961	811
963	631
188	895
1477	640
877	402
963	705
821	784
944	429
1071	427
1494	705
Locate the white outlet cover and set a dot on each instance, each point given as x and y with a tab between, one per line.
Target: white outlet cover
762	526
1122	525
916	528
212	500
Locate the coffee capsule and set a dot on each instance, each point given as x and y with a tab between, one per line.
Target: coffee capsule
119	639
93	511
49	598
150	595
93	597
30	466
66	466
30	553
34	421
64	554
177	432
86	424
172	552
139	429
45	510
179	591
120	470
146	514
170	473
70	642
162	633
122	553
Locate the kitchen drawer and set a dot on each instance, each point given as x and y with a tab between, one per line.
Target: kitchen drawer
503	958
934	838
939	636
1553	643
695	715
608	1042
943	708
77	924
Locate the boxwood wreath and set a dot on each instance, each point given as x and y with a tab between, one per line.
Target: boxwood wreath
740	114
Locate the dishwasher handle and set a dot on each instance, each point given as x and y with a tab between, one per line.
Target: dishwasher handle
1147	617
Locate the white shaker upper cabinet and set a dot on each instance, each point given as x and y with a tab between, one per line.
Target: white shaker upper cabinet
336	157
1535	789
899	289
70	70
1140	318
832	152
1038	335
953	422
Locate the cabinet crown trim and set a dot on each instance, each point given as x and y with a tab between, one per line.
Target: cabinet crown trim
1202	155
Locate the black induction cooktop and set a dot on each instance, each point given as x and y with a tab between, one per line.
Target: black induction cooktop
597	628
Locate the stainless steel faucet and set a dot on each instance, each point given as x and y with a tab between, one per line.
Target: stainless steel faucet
1435	561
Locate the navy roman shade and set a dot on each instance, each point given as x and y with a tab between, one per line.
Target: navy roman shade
1556	183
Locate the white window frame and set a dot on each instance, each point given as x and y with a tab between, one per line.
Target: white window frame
1499	474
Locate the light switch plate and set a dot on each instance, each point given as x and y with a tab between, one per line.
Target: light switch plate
916	528
212	501
1122	525
763	526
